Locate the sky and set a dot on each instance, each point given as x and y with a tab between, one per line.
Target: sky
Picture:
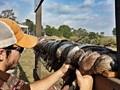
93	15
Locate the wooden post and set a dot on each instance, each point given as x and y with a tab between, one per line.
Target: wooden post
117	17
39	21
38	11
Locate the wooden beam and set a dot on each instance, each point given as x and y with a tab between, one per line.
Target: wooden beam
117	17
39	22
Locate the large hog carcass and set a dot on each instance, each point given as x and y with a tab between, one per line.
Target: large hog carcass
89	59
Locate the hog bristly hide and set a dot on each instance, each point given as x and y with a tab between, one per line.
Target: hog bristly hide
89	59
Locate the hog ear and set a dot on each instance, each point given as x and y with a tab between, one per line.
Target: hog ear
88	61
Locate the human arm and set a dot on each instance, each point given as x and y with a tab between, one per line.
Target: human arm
47	82
84	82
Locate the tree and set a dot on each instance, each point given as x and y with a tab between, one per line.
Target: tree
48	30
65	31
80	32
114	31
92	35
102	33
8	14
31	26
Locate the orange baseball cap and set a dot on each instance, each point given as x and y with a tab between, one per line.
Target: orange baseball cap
11	33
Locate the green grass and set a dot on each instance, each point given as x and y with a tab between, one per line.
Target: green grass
26	66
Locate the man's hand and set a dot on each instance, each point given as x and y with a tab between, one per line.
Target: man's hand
64	69
84	82
46	83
